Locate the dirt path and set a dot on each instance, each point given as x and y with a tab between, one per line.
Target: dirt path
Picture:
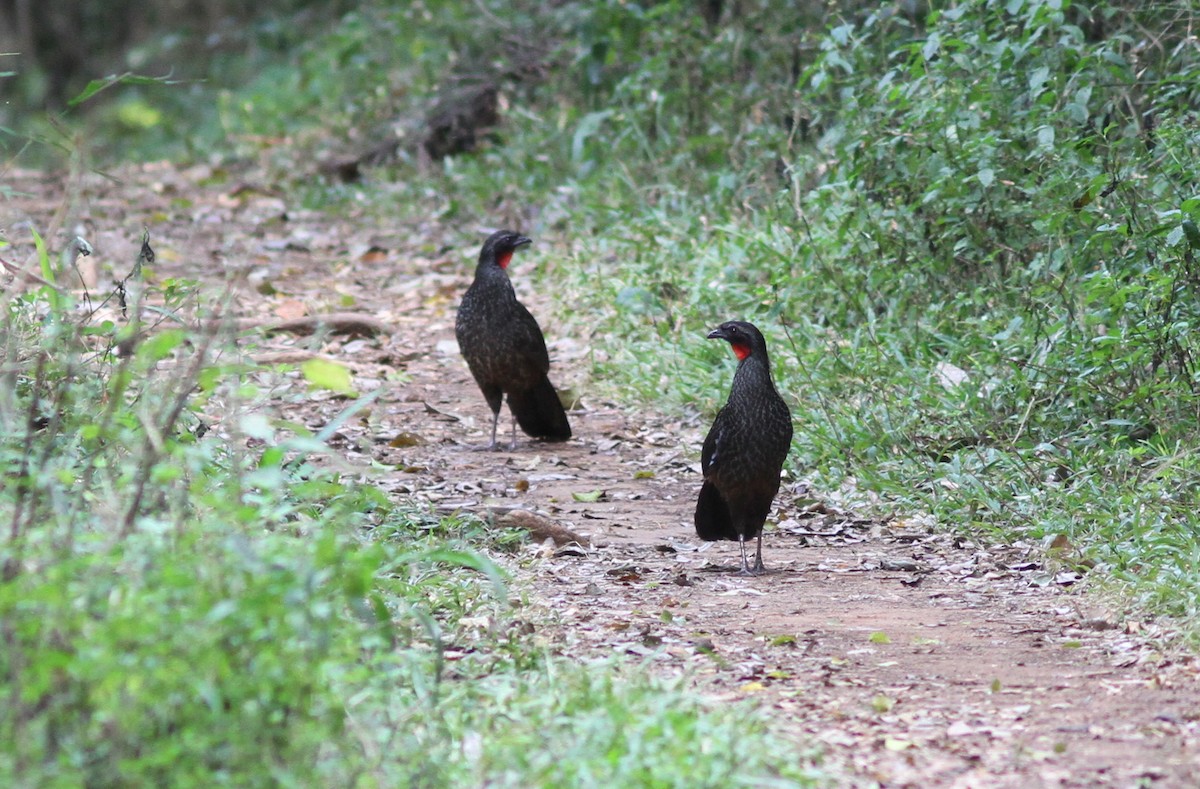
913	659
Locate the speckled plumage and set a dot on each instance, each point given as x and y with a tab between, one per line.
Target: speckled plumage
504	346
745	448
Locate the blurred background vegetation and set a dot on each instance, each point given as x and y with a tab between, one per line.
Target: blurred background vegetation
969	229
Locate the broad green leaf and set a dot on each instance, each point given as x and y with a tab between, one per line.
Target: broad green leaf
324	374
159	346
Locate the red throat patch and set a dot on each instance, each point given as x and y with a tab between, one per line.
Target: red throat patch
503	259
742	351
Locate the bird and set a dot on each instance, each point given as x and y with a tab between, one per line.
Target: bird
745	448
505	349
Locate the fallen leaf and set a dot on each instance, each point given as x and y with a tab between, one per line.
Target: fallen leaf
1060	543
290	310
373	255
950	376
591	495
879	637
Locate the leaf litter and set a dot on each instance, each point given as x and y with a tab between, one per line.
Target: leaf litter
914	656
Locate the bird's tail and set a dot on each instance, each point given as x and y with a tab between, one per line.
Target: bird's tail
540	413
713	521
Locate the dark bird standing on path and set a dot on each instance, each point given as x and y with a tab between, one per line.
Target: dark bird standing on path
505	349
745	448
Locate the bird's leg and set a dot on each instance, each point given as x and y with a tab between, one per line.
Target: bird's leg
495	421
513	444
745	565
758	565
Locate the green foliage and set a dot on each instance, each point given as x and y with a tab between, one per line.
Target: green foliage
594	725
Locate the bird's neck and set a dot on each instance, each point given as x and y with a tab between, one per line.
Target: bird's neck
753	371
489	268
495	279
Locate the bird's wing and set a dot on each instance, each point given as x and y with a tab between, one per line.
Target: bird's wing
531	337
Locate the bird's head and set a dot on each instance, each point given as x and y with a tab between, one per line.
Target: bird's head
743	337
500	246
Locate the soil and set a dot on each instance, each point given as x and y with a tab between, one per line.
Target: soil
912	657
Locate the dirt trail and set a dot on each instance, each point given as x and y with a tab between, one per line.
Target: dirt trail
912	658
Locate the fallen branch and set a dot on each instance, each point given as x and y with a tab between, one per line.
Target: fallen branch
291	357
28	276
351	323
540	528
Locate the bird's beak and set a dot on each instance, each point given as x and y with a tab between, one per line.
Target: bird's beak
522	241
717	334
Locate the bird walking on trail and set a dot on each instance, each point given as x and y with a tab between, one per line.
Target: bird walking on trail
505	349
745	448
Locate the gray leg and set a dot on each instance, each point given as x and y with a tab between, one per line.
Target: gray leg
495	421
495	400
745	565
758	565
